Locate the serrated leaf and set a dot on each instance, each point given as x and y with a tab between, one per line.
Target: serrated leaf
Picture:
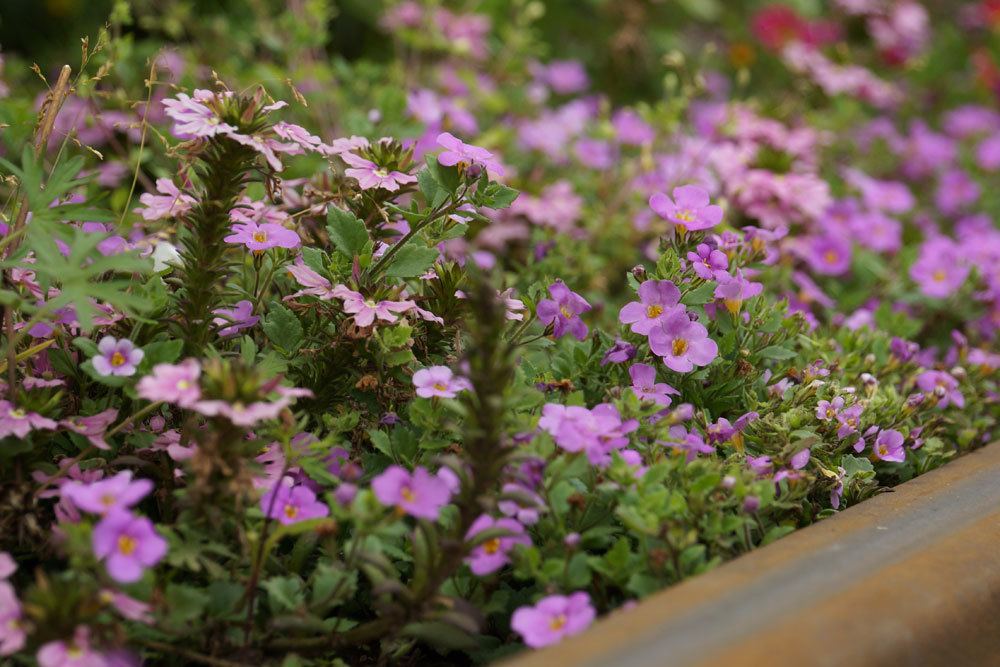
777	352
282	328
411	261
346	231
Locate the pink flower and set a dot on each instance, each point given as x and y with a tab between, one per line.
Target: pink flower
463	155
172	383
889	446
554	618
939	270
707	261
267	147
734	290
438	381
941	385
261	237
657	301
117	357
494	553
235	319
75	653
597	431
420	494
828	255
646	388
315	284
128	544
291	504
248	414
109	494
563	310
193	119
689	209
371	176
682	343
690	443
366	310
128	607
17	422
170	203
12	634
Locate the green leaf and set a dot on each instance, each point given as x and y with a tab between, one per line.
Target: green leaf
283	328
447	178
185	603
346	231
699	295
411	261
777	352
856	466
283	593
161	352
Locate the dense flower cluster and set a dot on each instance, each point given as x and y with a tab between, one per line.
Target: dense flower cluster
475	353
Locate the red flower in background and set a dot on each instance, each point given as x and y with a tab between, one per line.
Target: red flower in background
777	25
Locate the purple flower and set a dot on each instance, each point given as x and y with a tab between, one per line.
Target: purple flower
828	255
682	343
107	495
596	432
235	319
691	443
494	553
260	237
689	209
463	155
12	634
553	618
657	302
889	446
438	381
563	310
939	270
420	494
193	119
827	410
74	653
734	290
795	464
127	544
172	383
619	353
290	504
943	386
707	261
366	310
170	203
17	422
849	420
646	388
837	491
902	349
248	414
371	176
631	129
116	357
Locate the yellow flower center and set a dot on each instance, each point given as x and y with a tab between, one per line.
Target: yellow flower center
107	500
566	312
831	257
492	546
733	305
260	236
938	275
557	622
684	215
654	311
381	173
126	545
183	384
73	651
830	413
291	511
407	494
679	347
117	359
440	387
18	413
883	450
